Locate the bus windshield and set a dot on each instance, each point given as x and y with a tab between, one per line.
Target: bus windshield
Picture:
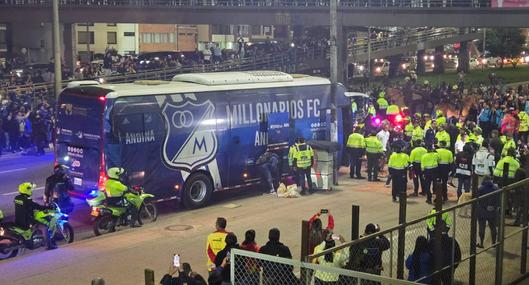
79	139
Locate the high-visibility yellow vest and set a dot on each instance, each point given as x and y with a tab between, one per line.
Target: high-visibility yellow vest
507	145
418	133
445	156
392	110
291	152
371	110
417	153
399	161
430	222
443	136
114	188
303	155
356	140
524	121
382	103
408	130
441	120
513	166
430	160
354	107
373	145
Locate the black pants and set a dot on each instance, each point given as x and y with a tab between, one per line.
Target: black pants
355	163
302	173
444	169
399	182
418	177
492	225
430	175
372	165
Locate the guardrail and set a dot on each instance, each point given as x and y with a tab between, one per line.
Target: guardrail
459	258
288	62
308	4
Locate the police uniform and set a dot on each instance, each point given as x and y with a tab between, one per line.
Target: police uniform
523	129
443	136
382	103
303	160
417	134
498	171
408	130
430	166
392	111
415	158
509	143
397	165
445	164
374	151
357	146
432	221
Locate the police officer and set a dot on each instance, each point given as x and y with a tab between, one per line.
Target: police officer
440	118
303	161
443	136
432	221
446	161
291	153
415	158
59	183
374	151
382	104
24	208
357	148
508	144
513	167
391	112
429	167
398	164
116	190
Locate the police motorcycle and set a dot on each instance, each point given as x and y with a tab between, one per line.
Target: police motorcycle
107	217
14	239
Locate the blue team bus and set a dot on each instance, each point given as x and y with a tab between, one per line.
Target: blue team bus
199	133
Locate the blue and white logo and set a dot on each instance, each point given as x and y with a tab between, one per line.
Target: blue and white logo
191	140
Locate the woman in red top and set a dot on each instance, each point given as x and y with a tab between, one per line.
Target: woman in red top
316	228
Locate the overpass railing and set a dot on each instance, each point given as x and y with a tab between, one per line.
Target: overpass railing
288	62
418	4
464	252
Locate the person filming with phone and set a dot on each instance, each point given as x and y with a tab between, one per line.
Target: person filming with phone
334	259
316	229
181	273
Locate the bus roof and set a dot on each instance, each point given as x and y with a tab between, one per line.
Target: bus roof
218	81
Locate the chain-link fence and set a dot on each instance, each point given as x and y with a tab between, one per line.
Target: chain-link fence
250	268
482	240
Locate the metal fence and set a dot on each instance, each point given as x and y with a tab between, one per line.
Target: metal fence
307	4
457	253
288	62
250	268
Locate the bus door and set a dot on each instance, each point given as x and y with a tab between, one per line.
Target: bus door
278	137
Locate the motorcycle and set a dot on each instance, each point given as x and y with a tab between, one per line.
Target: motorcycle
60	196
14	239
106	217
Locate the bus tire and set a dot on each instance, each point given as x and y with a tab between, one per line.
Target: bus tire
197	191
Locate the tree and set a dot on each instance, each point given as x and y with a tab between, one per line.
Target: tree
505	43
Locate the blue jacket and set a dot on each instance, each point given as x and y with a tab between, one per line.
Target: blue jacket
425	267
485	115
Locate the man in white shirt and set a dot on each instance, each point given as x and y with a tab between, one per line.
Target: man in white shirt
383	137
483	162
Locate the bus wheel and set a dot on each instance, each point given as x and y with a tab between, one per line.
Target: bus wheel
197	191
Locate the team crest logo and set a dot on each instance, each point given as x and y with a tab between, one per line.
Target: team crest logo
191	140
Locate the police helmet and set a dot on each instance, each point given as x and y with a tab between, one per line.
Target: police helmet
381	94
115	172
371	229
60	169
26	188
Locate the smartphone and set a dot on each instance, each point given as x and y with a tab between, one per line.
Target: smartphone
324	211
335	237
176	260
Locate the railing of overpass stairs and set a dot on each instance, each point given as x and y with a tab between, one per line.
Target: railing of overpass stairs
460	260
419	4
250	268
407	38
287	62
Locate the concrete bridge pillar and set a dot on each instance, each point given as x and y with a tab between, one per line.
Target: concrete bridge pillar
421	67
463	59
439	63
69	38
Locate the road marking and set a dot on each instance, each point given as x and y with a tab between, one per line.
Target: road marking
16	192
12	170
